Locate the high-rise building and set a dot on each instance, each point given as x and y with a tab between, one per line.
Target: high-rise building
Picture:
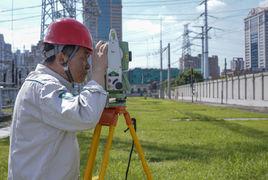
195	63
256	39
101	16
91	12
213	65
188	61
5	61
5	50
237	64
110	17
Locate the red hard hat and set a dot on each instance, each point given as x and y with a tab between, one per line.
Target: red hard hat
68	31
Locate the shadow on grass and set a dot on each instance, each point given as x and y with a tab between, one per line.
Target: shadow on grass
164	152
231	126
202	153
156	152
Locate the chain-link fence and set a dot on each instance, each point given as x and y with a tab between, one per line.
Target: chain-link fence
7	97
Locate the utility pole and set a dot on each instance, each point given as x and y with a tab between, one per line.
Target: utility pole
12	24
202	37
206	70
161	62
192	83
206	29
226	80
225	67
168	75
203	51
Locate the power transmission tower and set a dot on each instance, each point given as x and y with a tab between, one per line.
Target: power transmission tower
91	12
186	45
54	9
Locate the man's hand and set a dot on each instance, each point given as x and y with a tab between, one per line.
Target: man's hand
100	63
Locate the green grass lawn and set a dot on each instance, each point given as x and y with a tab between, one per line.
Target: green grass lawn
182	141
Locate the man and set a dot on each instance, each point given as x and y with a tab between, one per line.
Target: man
43	143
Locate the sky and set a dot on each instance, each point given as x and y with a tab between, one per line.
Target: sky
142	27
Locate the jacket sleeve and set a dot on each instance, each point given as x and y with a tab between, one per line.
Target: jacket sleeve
63	110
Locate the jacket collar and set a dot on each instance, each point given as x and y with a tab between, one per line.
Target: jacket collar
44	69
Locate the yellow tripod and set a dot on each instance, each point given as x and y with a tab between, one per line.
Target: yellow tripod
109	118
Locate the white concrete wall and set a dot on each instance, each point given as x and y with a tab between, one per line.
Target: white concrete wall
248	90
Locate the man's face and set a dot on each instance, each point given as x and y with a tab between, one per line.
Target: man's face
79	65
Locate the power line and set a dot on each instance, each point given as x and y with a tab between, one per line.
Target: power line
18	19
160	1
156	19
157	3
185	14
22	8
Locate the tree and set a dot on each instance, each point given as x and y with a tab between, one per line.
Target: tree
185	77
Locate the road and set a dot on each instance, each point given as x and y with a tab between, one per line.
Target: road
4	132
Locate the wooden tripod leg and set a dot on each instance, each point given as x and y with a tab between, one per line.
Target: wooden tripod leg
138	146
92	153
105	158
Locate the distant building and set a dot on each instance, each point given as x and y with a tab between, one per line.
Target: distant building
14	67
91	12
147	80
213	65
237	64
256	39
5	50
189	61
35	56
195	62
5	61
227	73
146	76
26	62
110	17
100	16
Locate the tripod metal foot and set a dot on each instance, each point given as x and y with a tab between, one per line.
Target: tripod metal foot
109	118
92	152
137	145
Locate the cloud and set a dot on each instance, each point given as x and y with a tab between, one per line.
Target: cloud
23	37
169	19
138	25
151	27
263	3
212	5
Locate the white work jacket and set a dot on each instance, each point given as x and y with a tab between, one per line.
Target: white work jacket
43	143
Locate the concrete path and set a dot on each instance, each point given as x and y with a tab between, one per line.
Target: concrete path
229	119
247	108
245	119
4	132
